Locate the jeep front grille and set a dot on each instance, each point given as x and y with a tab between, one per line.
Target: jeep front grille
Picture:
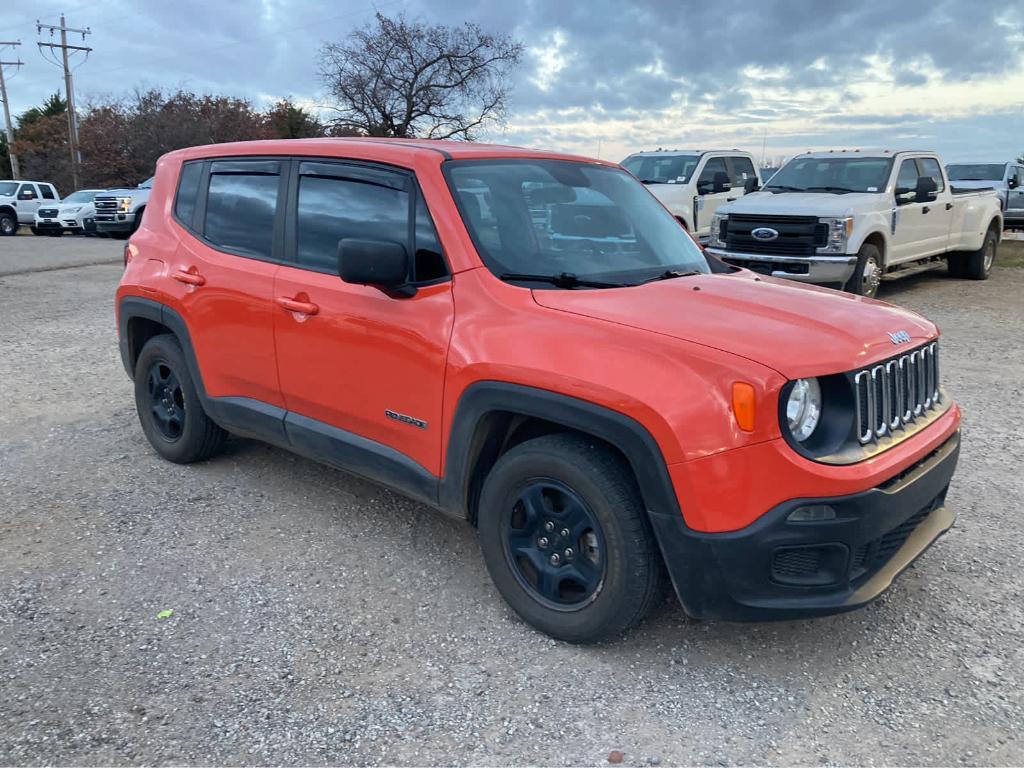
895	393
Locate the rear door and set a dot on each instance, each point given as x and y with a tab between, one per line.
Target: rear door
221	274
936	217
709	201
362	361
909	225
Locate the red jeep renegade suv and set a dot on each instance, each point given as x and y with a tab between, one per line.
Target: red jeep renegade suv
531	342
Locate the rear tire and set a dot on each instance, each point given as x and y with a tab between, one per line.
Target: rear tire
867	275
170	412
977	265
566	539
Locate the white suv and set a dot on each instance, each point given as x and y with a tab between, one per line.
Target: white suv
19	201
693	183
75	214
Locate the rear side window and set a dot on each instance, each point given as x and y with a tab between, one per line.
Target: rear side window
742	169
335	203
47	192
930	167
188	192
241	204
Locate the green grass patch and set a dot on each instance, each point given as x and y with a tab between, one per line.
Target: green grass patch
1010	254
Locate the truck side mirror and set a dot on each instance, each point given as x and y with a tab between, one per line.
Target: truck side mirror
721	182
751	185
1011	183
381	263
926	189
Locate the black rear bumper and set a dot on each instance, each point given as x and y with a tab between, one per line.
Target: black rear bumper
777	568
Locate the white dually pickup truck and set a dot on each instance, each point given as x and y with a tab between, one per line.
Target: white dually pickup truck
849	218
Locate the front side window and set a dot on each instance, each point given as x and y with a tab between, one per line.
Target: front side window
838	175
930	167
552	218
240	210
366	205
713	166
975	171
742	169
662	169
27	192
906	181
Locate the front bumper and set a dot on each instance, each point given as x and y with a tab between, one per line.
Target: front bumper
779	569
115	222
807	269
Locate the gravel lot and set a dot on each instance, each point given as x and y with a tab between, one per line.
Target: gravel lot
321	619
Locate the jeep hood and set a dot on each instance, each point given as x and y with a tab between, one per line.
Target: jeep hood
797	330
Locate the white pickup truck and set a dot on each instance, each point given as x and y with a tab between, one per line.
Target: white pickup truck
694	183
849	218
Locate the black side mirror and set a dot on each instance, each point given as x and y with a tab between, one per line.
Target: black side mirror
381	263
704	186
926	189
1011	183
751	185
721	182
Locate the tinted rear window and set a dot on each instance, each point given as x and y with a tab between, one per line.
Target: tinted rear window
240	210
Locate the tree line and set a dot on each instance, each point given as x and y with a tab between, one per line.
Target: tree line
392	77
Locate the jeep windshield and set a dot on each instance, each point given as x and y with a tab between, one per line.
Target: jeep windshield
564	224
837	175
8	188
661	169
976	172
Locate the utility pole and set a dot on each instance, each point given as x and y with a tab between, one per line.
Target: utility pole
76	157
8	129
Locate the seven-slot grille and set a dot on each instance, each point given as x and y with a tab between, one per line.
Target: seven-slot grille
897	392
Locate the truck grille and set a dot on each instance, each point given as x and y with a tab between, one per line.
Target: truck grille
798	235
897	392
48	213
106	208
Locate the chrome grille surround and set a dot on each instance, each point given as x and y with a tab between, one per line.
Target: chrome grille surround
894	394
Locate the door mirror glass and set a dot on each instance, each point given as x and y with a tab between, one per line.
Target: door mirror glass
750	185
721	182
926	189
381	263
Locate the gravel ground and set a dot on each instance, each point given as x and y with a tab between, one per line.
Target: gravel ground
320	619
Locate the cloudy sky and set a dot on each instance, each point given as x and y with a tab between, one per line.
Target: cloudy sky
608	76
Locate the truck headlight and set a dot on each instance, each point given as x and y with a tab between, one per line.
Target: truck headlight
803	408
839	231
717	221
125	205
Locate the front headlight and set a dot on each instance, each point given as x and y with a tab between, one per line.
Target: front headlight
126	204
839	231
803	409
716	230
73	210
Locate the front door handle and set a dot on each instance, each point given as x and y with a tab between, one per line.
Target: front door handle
189	277
730	199
949	206
295	305
925	209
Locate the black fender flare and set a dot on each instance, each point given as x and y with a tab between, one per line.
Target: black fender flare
625	433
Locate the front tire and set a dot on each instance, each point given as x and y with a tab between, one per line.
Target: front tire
867	275
565	537
170	412
8	225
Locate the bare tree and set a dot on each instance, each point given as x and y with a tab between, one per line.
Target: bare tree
395	77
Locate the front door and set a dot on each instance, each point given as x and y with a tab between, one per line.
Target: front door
708	201
28	203
350	356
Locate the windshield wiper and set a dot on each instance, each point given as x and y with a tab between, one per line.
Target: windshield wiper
830	189
668	274
561	280
783	188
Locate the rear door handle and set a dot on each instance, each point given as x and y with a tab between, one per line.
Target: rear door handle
188	277
302	307
730	199
949	206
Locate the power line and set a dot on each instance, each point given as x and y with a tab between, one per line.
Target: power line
76	157
8	129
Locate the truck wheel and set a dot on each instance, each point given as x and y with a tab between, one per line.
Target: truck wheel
867	276
8	224
977	265
566	539
169	409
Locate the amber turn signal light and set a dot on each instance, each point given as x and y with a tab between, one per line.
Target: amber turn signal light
743	405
